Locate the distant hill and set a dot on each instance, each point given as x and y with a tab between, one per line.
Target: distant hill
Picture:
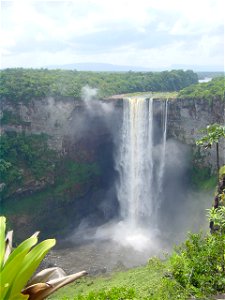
197	68
101	67
104	67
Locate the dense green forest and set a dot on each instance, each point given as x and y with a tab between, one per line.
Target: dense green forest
23	85
206	90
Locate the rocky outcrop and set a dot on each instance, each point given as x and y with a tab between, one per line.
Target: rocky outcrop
186	118
46	115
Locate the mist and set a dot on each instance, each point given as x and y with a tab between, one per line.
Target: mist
145	203
94	107
177	210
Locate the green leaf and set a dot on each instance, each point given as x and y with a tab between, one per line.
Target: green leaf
28	243
2	240
11	269
213	134
30	264
16	259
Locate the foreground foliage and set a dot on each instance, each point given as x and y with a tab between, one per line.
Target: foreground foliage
150	282
114	293
198	265
18	265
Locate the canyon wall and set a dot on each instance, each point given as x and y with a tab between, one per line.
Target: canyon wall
186	118
85	133
61	118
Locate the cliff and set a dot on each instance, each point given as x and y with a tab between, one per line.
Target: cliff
61	189
186	118
82	136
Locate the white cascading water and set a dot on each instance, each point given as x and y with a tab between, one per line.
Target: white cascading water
141	180
162	161
135	162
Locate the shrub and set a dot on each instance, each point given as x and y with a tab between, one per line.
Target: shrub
114	293
199	263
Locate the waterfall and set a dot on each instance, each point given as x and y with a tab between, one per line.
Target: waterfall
141	179
162	160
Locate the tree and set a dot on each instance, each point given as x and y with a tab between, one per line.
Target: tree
213	133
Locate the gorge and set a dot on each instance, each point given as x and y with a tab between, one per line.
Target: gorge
115	169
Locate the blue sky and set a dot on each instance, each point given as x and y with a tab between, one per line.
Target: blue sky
146	33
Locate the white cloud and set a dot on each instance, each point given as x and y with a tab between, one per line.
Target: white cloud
36	33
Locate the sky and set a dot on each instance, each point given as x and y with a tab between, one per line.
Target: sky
147	33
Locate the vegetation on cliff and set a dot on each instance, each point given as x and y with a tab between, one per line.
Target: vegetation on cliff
213	134
214	89
33	175
24	158
23	85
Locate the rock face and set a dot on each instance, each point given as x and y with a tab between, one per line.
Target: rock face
187	117
63	118
47	115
